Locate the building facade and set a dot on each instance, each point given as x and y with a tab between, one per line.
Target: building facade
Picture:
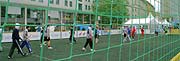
34	11
69	6
170	9
139	8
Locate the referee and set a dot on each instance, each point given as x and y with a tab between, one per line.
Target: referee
16	42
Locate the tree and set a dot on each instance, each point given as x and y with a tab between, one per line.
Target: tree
119	8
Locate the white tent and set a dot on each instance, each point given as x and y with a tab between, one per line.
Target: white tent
148	20
149	23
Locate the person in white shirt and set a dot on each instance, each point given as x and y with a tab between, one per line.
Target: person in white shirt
89	39
46	37
26	39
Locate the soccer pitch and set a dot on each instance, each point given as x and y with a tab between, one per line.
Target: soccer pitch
149	48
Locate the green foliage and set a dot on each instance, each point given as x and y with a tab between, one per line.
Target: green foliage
118	7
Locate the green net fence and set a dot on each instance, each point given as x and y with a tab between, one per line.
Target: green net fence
129	30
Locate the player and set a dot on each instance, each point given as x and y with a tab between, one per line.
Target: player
166	30
127	33
96	35
156	31
133	31
72	35
142	31
42	38
16	43
26	40
89	39
46	37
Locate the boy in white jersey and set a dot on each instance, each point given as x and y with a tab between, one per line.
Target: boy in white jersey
26	39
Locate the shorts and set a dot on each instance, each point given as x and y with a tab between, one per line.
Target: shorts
45	39
125	35
133	34
142	33
156	32
96	36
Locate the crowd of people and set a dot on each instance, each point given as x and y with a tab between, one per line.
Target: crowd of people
45	39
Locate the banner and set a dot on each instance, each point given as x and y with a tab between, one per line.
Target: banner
7	37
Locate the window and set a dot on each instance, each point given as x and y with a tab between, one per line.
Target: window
70	3
3	11
33	0
51	1
88	0
80	6
89	7
85	7
40	0
66	3
57	1
80	0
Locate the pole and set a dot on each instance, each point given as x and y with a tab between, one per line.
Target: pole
25	17
83	19
90	18
0	31
0	15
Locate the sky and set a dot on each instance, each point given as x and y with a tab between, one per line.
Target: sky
156	4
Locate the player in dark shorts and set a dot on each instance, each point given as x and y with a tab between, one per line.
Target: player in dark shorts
72	35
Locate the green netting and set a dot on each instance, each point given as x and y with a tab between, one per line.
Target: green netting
110	16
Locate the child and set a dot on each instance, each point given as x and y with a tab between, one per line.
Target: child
26	40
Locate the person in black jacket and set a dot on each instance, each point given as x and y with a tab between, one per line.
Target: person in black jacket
15	43
72	35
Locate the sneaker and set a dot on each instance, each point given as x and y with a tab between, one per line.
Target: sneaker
92	50
43	44
18	53
83	49
9	57
30	52
50	48
71	43
25	54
